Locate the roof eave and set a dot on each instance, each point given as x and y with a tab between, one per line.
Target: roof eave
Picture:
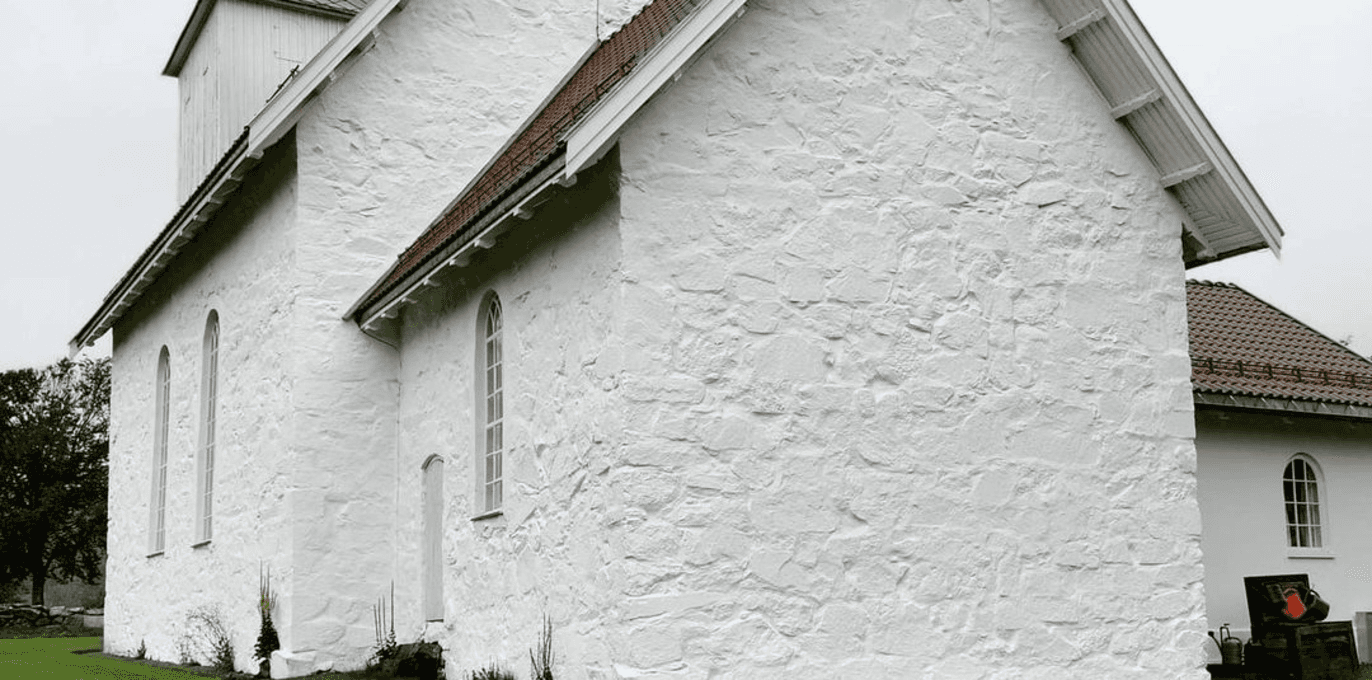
200	15
1228	215
586	142
214	191
1284	405
276	119
190	33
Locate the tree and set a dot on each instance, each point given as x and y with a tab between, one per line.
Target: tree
54	458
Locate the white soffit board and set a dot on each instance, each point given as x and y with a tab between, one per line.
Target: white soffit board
1145	95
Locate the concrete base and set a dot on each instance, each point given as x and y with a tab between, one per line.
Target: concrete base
287	665
93	621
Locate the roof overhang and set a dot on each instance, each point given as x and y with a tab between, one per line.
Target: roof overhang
583	144
200	15
275	120
1282	405
1225	216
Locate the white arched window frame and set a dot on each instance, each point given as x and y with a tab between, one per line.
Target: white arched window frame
432	550
1305	504
209	408
157	503
490	407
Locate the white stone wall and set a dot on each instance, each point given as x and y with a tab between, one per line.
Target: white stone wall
241	267
904	337
558	282
892	380
1241	457
870	363
382	151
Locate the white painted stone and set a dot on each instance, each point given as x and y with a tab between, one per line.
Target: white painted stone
817	375
288	665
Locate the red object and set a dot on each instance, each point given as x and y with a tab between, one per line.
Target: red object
1294	607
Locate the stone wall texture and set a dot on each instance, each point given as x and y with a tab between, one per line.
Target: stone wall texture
892	380
241	267
862	356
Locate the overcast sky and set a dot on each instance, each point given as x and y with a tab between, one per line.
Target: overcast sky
88	132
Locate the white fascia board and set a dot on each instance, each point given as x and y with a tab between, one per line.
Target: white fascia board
597	132
286	107
1134	32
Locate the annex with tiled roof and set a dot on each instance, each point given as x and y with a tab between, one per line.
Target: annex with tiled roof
541	141
1243	347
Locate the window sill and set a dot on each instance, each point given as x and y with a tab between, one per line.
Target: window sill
202	543
1308	554
488	515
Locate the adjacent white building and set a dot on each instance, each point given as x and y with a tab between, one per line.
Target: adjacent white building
1284	444
739	338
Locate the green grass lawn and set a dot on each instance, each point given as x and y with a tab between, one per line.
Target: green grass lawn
73	659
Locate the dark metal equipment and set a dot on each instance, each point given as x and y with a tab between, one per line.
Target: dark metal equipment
1289	641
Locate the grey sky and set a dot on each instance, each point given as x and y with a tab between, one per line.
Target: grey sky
89	133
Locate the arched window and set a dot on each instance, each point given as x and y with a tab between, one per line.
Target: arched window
209	398
490	408
157	524
433	539
1301	489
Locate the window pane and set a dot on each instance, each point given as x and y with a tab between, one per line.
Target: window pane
1300	492
1290	513
1313	491
1316	539
1292	539
1289	490
1301	516
1304	533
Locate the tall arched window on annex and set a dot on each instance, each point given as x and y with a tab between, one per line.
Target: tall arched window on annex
161	418
209	403
1306	524
433	539
490	407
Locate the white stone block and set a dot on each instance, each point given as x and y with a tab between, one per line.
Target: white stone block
288	665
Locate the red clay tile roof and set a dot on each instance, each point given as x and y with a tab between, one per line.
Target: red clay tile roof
540	142
1242	345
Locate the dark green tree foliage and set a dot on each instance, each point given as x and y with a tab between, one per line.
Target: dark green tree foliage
54	451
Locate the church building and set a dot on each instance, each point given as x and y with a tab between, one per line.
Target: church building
799	339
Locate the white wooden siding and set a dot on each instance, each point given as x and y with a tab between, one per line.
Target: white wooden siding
243	53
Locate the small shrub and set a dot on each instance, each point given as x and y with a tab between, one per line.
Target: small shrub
207	637
491	672
267	639
386	646
142	652
541	657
